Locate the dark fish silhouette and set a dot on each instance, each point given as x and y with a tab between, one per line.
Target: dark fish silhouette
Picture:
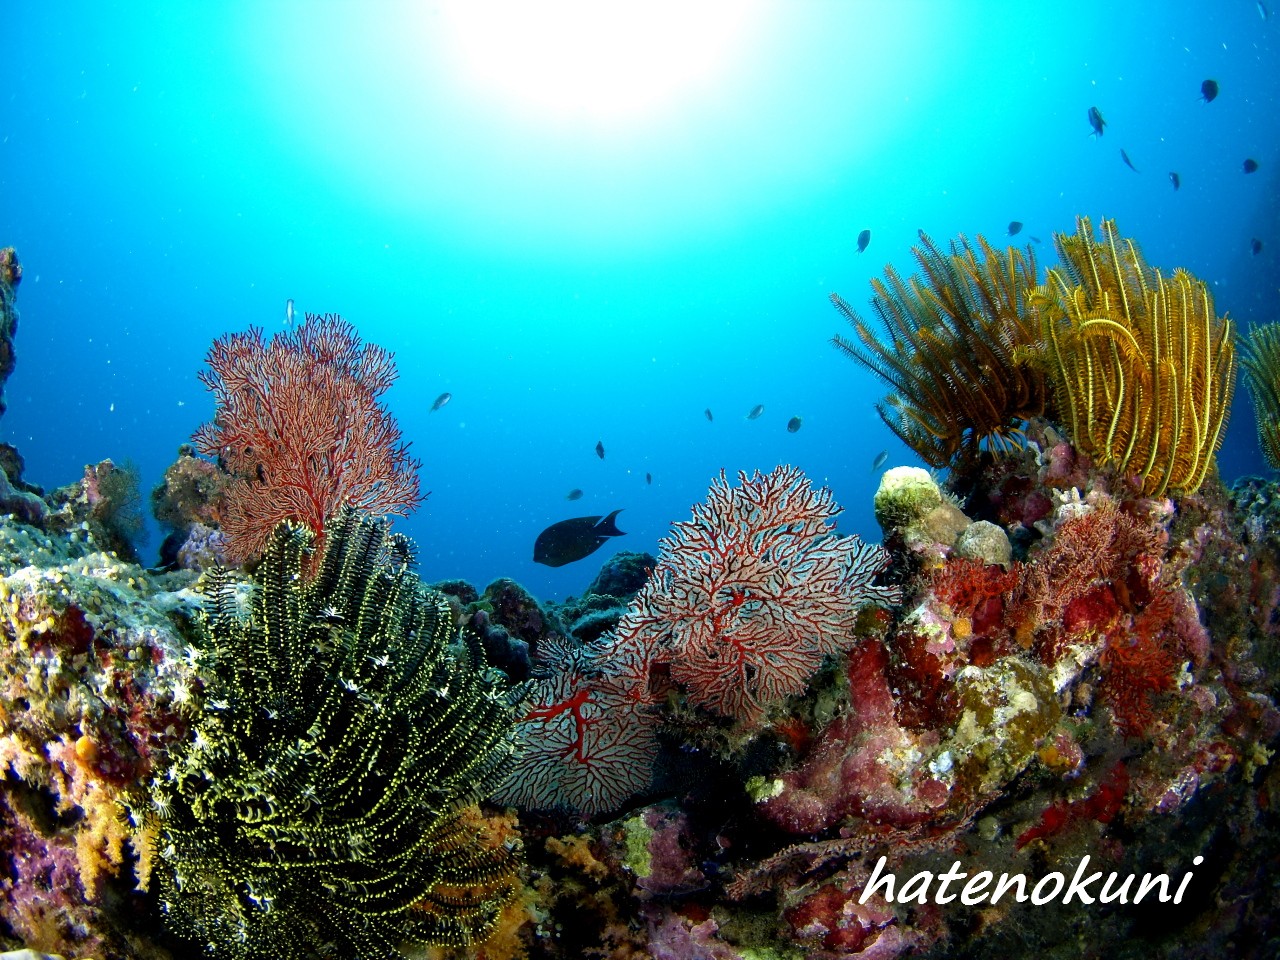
440	402
571	540
574	494
648	478
707	414
1209	91
1035	240
1096	121
1255	245
1015	227
1127	162
600	449
879	461
1175	180
1250	165
863	239
756	411
794	424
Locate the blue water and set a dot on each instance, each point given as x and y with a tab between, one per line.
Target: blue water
594	261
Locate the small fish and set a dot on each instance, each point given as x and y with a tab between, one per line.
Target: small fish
1015	227
794	424
864	238
1250	165
756	411
1035	240
1262	10
1096	121
440	402
574	494
600	449
1209	91
1175	180
879	461
648	478
1255	245
571	540
288	312
707	414
1127	162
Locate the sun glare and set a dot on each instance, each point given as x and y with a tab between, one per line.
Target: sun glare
602	62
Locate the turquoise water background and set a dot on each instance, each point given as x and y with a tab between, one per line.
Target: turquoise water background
600	260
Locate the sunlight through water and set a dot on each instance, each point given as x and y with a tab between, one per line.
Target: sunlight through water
602	63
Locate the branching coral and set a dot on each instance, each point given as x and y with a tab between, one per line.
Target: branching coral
321	799
1260	358
587	736
1142	366
956	349
753	592
300	426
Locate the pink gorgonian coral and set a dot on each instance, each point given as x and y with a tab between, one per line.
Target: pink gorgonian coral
300	427
753	592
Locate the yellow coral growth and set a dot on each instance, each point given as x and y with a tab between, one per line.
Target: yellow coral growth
1260	357
1143	368
99	842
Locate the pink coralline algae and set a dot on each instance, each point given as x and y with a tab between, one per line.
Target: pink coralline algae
752	593
848	773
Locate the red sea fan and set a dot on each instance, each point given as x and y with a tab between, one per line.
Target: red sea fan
299	425
753	592
587	738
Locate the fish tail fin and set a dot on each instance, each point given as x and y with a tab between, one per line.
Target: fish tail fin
607	527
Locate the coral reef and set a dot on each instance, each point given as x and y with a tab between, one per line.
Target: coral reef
769	741
105	504
746	601
189	503
299	426
318	805
1047	692
1048	701
98	684
623	575
10	276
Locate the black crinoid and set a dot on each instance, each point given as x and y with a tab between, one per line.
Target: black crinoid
321	808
